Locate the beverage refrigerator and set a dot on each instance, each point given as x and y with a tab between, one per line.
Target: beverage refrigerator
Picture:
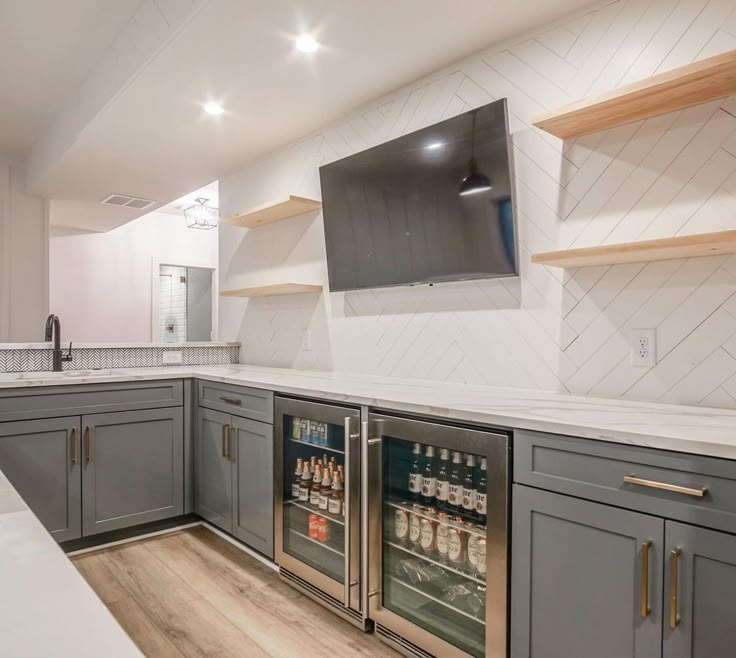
435	503
317	519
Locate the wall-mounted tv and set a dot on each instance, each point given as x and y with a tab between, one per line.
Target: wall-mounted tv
433	205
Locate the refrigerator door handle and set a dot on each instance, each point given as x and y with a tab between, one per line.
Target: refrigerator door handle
371	535
346	499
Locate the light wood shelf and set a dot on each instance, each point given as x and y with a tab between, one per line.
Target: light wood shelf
703	81
274	211
685	246
272	290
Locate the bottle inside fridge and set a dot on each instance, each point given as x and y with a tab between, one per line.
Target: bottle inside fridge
434	543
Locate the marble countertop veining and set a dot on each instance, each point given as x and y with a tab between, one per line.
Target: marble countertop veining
698	430
48	345
44	598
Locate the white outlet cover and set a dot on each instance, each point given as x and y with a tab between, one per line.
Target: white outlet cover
643	344
172	356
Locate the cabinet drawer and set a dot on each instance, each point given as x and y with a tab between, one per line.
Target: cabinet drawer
657	482
71	400
253	403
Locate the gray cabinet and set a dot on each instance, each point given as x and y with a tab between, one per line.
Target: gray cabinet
41	459
233	486
581	572
700	616
253	483
213	472
133	467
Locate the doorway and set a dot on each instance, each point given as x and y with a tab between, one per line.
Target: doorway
185	309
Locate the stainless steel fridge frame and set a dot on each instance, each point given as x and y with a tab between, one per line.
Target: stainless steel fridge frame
390	626
344	598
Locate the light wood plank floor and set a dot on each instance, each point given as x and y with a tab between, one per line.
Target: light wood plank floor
191	593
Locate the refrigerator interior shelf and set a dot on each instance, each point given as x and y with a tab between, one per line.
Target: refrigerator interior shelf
316	446
406	506
314	510
318	543
446	567
447	605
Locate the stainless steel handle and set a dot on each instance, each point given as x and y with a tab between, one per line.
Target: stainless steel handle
236	401
372	530
364	516
225	446
75	446
89	434
346	498
674	560
230	452
664	486
645	609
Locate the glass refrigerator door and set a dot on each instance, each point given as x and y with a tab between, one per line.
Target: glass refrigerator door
314	495
436	548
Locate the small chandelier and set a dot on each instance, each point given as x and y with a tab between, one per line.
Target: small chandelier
201	215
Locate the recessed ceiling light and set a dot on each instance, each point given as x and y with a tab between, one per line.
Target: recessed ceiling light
306	43
433	146
215	109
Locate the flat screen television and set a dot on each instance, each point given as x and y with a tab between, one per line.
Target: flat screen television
433	205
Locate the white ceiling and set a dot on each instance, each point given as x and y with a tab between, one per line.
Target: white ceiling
47	49
153	140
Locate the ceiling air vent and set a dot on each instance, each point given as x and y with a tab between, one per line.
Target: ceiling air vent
125	201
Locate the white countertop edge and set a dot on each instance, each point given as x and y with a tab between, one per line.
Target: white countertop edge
697	430
104	346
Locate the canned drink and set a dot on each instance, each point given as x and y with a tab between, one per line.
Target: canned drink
443	530
457	546
401	525
473	540
427	535
323	530
481	566
313	526
415	522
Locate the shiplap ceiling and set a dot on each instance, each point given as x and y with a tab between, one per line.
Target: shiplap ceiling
150	137
47	48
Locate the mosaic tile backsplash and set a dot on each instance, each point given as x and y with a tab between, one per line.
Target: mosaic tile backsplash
89	358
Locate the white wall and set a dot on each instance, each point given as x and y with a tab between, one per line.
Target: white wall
23	257
548	329
101	283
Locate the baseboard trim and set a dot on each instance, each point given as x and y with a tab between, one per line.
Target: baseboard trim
249	551
134	538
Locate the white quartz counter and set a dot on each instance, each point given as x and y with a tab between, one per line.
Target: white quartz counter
46	607
697	430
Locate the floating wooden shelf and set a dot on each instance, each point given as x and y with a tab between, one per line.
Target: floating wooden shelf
270	291
274	211
689	85
685	246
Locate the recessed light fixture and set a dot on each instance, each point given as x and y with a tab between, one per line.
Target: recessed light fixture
215	109
306	43
433	146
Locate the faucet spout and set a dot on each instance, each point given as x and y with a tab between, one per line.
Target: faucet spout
53	332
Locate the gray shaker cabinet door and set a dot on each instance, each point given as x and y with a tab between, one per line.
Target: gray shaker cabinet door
577	575
133	468
40	458
213	479
253	464
704	610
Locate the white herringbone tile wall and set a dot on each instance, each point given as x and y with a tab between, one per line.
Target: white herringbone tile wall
549	329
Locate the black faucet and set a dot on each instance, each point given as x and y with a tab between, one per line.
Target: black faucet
53	330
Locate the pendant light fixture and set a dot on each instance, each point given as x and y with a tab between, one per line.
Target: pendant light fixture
475	182
201	215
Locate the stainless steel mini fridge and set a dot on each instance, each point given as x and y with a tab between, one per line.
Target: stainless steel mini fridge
435	497
317	536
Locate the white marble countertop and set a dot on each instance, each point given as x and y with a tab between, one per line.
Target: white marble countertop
698	430
46	607
48	346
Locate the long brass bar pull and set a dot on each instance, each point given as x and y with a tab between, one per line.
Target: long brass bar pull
645	609
75	446
225	444
89	432
230	440
674	559
664	486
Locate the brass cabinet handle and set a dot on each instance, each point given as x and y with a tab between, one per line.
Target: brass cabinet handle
225	451
674	559
89	432
645	609
230	452
75	446
235	401
664	486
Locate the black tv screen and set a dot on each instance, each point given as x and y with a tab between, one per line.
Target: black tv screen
434	205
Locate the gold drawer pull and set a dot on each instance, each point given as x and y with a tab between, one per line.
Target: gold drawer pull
645	609
674	618
664	486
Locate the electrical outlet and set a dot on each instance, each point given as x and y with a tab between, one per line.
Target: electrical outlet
307	340
172	356
643	347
